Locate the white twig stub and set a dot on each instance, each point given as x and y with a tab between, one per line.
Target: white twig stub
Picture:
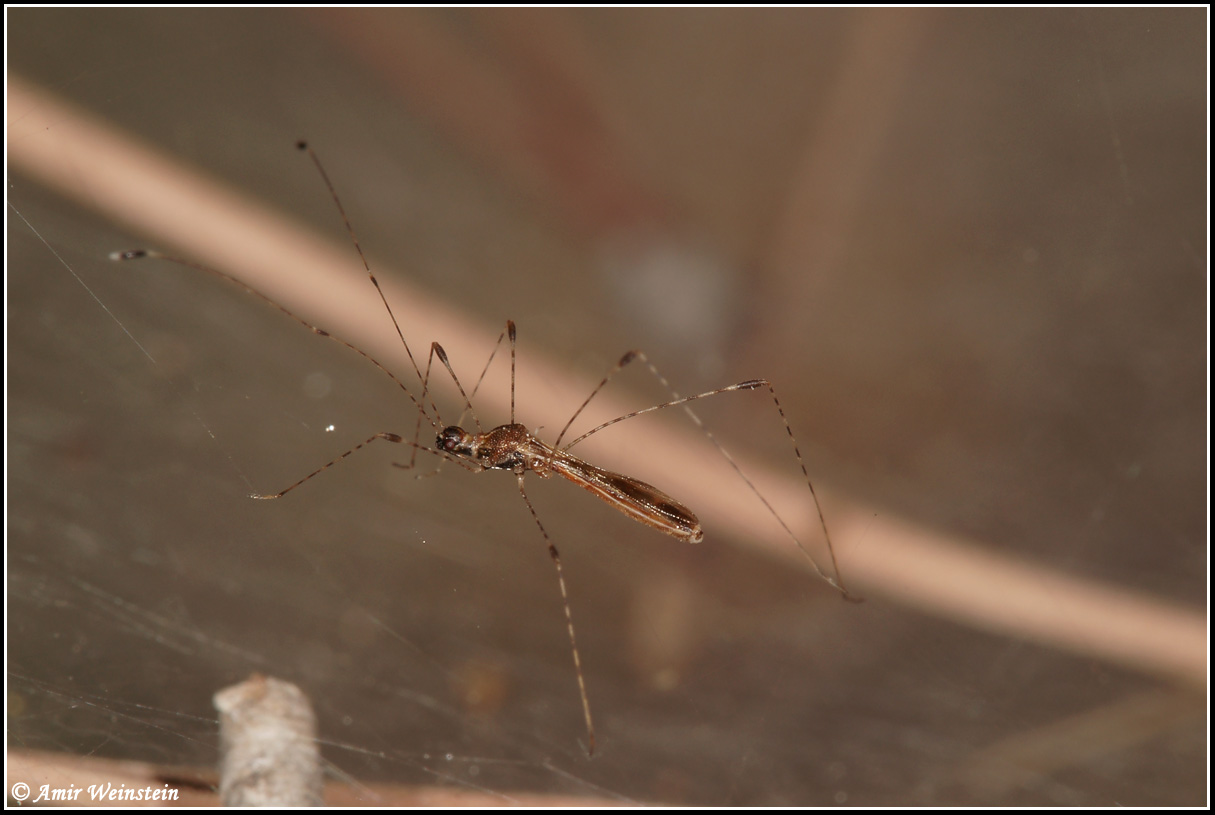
267	741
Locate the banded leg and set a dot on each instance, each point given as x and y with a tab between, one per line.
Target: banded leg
569	621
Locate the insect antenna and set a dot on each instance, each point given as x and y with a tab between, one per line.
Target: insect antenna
152	254
304	146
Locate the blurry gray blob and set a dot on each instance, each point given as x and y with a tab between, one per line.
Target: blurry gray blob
268	750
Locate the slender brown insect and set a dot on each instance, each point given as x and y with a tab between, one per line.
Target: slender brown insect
513	448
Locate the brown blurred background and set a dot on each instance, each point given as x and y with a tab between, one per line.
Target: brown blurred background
969	248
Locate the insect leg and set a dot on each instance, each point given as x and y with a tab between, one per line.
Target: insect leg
569	621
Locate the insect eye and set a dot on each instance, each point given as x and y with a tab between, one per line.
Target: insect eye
450	438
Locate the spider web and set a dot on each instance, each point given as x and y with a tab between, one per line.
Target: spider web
422	617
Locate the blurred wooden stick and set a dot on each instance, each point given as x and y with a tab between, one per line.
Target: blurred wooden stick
960	580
